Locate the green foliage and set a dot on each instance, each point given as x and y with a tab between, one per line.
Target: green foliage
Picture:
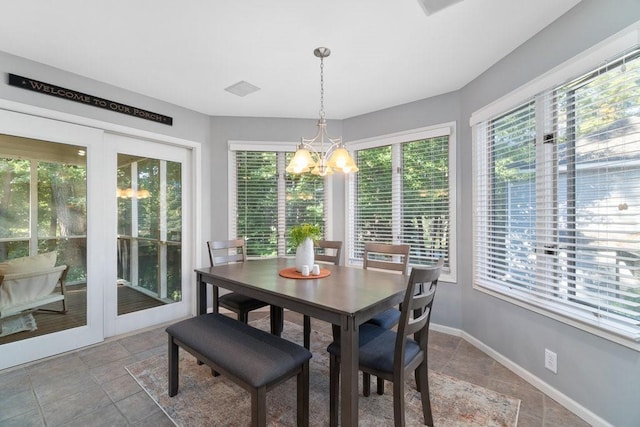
299	233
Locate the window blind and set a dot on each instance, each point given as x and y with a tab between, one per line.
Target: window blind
266	201
557	184
256	201
425	199
401	195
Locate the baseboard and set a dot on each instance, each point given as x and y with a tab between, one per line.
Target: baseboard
564	400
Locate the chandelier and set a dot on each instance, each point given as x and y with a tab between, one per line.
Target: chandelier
321	155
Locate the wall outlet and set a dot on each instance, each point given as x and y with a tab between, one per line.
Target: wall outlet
551	360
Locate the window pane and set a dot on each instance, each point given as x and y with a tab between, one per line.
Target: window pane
14	198
373	215
257	201
425	199
148	198
599	179
304	201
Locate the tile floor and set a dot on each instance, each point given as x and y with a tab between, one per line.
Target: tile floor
90	387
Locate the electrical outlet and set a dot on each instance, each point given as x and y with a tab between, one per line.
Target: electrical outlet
551	360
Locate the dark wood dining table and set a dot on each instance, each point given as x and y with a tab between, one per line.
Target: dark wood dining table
348	297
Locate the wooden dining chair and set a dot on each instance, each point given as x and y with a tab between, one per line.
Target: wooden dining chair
384	256
391	355
225	252
326	251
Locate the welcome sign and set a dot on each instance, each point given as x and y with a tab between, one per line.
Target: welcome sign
94	101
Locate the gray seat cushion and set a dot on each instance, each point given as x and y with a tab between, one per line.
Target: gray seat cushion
387	319
252	355
376	348
239	302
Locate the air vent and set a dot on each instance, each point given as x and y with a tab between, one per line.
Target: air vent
432	6
242	88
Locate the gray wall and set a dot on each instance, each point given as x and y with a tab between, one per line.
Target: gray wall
187	124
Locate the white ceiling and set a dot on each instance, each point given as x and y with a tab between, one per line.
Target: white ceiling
384	52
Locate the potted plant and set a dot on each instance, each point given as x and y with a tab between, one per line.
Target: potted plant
302	237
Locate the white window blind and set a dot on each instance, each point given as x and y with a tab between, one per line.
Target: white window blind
402	194
556	200
266	201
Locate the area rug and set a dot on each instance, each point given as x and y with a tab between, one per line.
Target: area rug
203	400
13	325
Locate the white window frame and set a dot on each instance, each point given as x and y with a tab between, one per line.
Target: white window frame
395	140
576	66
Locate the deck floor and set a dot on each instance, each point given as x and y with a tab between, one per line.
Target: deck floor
129	300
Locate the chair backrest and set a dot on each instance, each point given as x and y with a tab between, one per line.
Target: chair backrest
324	255
416	308
226	251
386	257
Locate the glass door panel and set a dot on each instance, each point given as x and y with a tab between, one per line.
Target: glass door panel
43	209
149	232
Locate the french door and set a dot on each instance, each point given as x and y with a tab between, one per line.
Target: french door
117	210
151	239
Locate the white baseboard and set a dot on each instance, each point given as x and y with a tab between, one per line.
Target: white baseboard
547	389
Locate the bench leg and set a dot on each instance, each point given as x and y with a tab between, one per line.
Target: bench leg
259	407
173	367
303	396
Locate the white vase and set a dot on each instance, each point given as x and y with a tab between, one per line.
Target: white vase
305	254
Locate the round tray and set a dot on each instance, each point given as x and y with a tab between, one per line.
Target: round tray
291	273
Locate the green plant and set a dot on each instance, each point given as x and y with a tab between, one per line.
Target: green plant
299	233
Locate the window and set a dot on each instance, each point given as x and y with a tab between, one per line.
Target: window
265	201
403	194
556	199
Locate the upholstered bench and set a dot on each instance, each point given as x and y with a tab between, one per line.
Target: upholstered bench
250	357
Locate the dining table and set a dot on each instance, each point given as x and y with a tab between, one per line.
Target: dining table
346	297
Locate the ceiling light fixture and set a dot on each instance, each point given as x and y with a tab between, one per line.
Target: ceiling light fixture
311	155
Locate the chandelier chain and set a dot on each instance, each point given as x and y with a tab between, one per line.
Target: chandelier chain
322	87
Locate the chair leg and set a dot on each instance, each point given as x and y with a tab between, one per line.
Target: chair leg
398	401
380	383
307	332
303	396
173	367
423	387
334	389
259	407
366	384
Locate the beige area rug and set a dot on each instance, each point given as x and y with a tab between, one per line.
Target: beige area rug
203	400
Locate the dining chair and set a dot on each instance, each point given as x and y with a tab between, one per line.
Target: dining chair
384	256
391	355
326	251
225	252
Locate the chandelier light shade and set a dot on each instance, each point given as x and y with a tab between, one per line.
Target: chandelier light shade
321	155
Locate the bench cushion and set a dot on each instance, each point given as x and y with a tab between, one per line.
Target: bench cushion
252	355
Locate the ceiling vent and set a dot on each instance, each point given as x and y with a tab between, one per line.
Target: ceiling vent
432	6
242	88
